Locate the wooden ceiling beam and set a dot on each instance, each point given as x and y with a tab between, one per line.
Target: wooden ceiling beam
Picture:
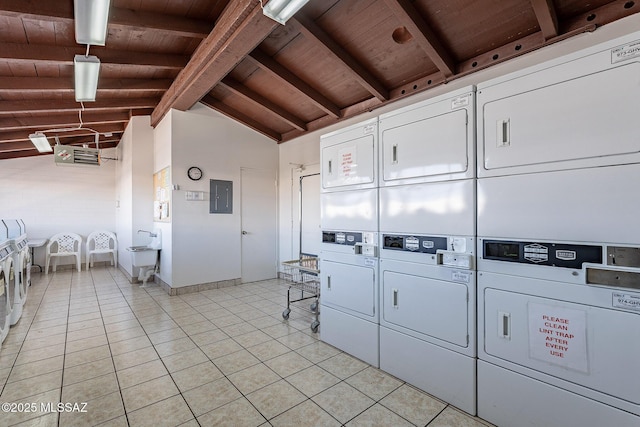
547	18
233	114
57	106
240	28
270	65
23	135
61	120
329	47
66	85
422	33
60	55
263	103
62	11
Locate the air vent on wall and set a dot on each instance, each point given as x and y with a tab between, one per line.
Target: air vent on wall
68	155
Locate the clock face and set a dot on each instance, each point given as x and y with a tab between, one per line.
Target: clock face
194	173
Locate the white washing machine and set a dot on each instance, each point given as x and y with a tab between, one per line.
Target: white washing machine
22	264
348	256
427	247
559	242
7	287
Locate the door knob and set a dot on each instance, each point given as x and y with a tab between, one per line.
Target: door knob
244	232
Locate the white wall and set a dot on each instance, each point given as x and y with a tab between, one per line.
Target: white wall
206	247
306	149
162	136
134	188
51	199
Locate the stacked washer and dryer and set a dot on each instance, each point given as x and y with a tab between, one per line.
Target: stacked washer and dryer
559	241
17	234
7	283
427	246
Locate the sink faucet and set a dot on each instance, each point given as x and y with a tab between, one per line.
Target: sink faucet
149	232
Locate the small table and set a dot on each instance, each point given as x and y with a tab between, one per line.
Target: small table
36	243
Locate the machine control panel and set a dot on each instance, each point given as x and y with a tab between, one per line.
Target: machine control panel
542	253
346	238
410	243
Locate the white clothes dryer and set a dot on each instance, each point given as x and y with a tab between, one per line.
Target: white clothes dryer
7	287
22	265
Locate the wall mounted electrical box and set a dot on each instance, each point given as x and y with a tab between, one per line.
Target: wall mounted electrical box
221	201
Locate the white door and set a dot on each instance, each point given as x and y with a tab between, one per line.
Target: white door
259	226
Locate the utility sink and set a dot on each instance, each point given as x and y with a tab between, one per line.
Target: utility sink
143	256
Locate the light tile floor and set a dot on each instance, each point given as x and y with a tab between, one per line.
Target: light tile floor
222	357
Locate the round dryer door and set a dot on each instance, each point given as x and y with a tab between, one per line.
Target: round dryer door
25	276
11	285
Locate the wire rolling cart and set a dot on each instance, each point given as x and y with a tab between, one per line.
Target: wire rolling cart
303	275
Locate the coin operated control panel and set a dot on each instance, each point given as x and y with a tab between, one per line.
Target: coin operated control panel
450	251
358	243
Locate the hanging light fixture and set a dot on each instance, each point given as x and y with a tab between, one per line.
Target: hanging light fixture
41	142
86	71
281	10
91	18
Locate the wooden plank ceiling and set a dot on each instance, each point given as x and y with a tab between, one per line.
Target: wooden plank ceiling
334	60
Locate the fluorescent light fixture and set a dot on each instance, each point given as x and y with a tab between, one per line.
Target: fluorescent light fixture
281	10
86	70
91	18
41	142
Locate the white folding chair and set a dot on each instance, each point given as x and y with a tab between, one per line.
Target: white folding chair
102	242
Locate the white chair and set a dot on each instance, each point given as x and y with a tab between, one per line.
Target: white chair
63	244
102	244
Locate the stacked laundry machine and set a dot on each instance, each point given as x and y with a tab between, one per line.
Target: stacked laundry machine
427	246
559	241
7	283
349	249
17	234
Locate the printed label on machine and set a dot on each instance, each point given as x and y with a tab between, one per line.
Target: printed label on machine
558	336
348	161
626	52
536	253
626	301
461	276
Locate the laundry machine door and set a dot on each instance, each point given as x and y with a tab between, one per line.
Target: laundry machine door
587	343
349	288
426	306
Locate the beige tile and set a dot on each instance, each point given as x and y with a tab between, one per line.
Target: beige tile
86	356
211	336
210	396
31	418
305	414
237	413
221	348
166	335
141	373
97	410
279	330
36	343
268	350
253	378
121	326
239	329
343	365
134	358
297	340
190	319
374	383
4	374
313	380
221	322
120	421
413	405
186	359
288	364
199	327
85	333
125	334
50	420
90	389
318	351
163	325
131	344
275	399
252	338
175	346
165	413
235	362
72	327
87	371
452	417
83	344
196	375
8	360
33	369
343	402
16	391
84	317
380	416
38	354
149	392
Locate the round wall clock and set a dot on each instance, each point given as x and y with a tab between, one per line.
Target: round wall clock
194	173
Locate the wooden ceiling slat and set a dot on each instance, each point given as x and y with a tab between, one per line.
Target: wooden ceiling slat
30	54
14	136
65	85
263	103
60	120
285	76
222	108
241	27
423	34
330	48
547	17
118	17
55	106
